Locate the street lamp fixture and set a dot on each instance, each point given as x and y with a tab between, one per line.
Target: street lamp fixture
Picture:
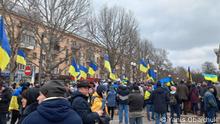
133	64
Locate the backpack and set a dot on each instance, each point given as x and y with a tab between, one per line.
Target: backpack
173	100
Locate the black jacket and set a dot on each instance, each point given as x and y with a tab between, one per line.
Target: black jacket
5	97
122	96
80	104
160	100
136	102
54	111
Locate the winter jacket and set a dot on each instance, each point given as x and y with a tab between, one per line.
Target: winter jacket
135	101
111	98
53	111
97	103
28	110
122	96
80	104
5	97
182	91
194	95
160	100
210	102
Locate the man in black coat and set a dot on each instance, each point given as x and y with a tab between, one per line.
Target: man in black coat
5	97
79	102
160	99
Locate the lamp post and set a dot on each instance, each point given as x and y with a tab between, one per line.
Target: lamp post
217	52
133	65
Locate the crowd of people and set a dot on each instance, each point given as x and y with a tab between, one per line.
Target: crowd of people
60	102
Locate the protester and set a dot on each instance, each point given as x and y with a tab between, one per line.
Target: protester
174	104
79	102
29	102
122	97
183	93
194	98
210	105
111	101
202	91
136	103
160	99
99	104
148	103
5	97
53	107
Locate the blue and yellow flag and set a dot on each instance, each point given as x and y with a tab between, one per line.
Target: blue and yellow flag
211	77
83	71
5	49
92	68
74	69
143	66
21	57
151	75
14	99
112	75
107	63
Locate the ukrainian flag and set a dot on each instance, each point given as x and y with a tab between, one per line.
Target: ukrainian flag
21	57
83	71
92	68
113	76
74	69
107	63
143	66
5	50
151	75
14	99
211	77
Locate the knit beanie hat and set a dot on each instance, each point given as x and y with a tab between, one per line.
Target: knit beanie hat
53	88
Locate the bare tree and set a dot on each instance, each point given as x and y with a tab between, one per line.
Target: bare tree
57	17
115	29
14	29
209	68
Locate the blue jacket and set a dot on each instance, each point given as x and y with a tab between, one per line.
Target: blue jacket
54	111
111	98
80	104
210	102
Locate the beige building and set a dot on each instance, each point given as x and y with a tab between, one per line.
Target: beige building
83	49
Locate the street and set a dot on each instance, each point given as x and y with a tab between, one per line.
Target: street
185	119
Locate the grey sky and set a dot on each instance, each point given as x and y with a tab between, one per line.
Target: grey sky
188	29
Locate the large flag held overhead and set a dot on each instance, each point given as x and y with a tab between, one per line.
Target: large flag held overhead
107	63
74	69
5	49
143	66
151	75
21	57
211	77
83	71
92	68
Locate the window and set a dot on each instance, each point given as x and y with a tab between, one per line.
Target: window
27	40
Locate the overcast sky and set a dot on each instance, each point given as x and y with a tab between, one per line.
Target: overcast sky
188	29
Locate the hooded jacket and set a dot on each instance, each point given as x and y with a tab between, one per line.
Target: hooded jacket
53	111
80	104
